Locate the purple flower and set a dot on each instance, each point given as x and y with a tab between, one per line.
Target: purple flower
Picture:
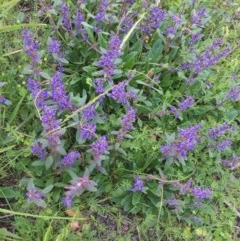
78	22
119	94
176	19
102	9
54	46
187	141
99	86
184	188
219	130
201	193
79	185
107	63
107	60
34	195
195	38
222	145
30	46
89	113
188	102
50	125
171	30
99	147
88	131
37	93
68	200
126	123
114	45
66	19
234	94
233	163
127	23
174	111
198	16
138	185
38	150
157	15
70	158
2	99
59	92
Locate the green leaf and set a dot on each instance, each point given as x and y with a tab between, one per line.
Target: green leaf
231	114
136	198
9	192
45	75
48	189
102	41
129	60
155	52
49	162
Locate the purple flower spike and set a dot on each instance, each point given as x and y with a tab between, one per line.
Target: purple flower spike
222	145
201	193
70	158
188	102
99	147
51	126
38	150
30	46
78	22
88	131
119	94
126	123
68	200
66	20
107	60
102	9
219	130
37	93
58	92
89	113
54	46
138	185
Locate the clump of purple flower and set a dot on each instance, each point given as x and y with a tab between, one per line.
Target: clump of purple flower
187	141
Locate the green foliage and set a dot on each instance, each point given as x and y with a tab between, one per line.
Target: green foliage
153	60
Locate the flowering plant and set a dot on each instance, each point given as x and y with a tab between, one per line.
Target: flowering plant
113	71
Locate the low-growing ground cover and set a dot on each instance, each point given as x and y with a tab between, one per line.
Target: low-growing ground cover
119	120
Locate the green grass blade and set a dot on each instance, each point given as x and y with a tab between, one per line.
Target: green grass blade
8	4
16	109
4	29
